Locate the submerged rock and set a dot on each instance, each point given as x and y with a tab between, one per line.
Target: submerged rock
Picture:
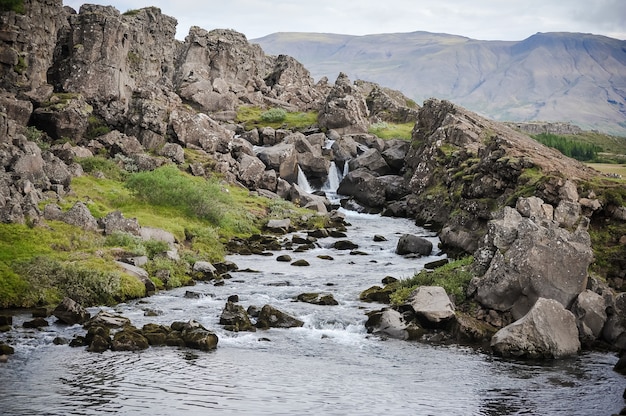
270	317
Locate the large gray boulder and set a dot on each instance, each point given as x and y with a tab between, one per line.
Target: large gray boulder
527	260
387	322
364	187
432	306
548	330
413	244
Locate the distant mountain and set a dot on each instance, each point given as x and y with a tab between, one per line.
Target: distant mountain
572	77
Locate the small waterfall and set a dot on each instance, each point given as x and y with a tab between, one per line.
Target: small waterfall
333	180
346	169
303	182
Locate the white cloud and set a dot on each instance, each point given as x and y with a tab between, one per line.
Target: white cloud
478	19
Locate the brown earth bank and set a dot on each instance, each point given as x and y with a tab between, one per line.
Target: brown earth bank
547	234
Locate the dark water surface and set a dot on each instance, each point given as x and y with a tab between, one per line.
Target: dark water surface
329	366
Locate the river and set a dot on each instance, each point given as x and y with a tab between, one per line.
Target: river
330	366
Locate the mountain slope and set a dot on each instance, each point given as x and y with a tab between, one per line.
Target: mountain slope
573	77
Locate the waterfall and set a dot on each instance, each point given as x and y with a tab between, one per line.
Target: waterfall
334	177
303	182
346	169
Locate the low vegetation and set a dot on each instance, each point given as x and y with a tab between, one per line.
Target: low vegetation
16	6
256	117
42	263
454	277
386	130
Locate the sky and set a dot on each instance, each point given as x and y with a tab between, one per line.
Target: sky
476	19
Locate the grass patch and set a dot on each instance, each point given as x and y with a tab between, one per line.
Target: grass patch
610	168
257	117
387	131
454	277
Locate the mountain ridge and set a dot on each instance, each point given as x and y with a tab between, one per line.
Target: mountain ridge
556	76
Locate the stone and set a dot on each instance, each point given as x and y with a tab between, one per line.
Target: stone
194	335
129	339
344	245
270	317
286	258
589	308
534	261
80	216
387	322
70	312
235	318
107	320
413	244
432	306
116	222
300	263
548	330
141	274
377	294
317	299
364	187
372	161
281	226
204	270
36	323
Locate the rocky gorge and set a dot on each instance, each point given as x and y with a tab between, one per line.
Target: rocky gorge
120	86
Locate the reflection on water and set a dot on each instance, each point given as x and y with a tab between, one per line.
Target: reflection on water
329	366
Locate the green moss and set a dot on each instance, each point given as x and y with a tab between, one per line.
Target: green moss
96	127
21	65
454	277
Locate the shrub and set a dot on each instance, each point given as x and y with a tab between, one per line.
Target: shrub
49	280
96	127
108	167
167	186
274	115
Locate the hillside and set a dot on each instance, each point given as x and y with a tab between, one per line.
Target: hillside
572	77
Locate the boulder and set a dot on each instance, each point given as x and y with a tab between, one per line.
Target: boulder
250	171
370	160
156	334
141	274
129	339
235	318
270	317
390	323
395	152
116	222
317	298
526	260
194	335
548	330
344	149
413	244
614	331
432	306
364	187
204	270
80	216
70	312
345	245
107	320
280	226
590	312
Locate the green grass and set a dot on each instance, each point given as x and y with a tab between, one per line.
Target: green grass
388	131
454	277
257	117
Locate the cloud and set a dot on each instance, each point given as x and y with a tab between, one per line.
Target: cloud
478	19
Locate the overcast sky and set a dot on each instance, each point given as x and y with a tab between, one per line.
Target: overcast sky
477	19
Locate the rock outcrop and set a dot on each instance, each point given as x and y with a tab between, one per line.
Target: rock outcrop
547	331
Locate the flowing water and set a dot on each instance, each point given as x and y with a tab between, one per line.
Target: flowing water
330	366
